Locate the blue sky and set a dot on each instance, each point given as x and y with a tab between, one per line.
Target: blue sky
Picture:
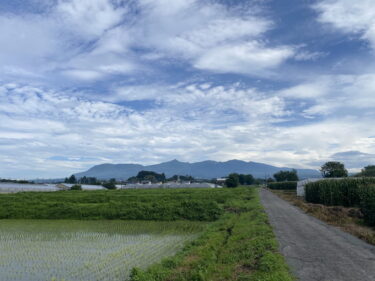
289	83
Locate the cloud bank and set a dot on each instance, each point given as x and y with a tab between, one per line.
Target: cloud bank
88	82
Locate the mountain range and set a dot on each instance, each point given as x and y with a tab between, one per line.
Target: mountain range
200	170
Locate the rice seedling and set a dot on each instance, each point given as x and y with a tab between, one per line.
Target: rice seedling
37	250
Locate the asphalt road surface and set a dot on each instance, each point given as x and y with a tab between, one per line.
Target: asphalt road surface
314	250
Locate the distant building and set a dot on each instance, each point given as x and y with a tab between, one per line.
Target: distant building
172	185
221	180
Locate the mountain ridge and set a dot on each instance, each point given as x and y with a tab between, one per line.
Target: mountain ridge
203	170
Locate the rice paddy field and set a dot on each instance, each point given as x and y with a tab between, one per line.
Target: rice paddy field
219	234
72	250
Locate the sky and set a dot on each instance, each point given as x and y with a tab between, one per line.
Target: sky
289	83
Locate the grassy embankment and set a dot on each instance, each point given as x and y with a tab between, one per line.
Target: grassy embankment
238	244
286	185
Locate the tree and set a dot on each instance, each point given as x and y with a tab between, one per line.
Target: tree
241	179
232	180
92	180
72	179
249	179
286	176
270	180
334	169
245	179
368	171
148	176
83	180
182	178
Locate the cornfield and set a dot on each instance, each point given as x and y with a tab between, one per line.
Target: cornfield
367	197
349	192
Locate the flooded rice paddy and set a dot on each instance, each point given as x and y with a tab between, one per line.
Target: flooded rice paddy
37	250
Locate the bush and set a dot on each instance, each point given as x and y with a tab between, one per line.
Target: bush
286	185
76	187
109	185
341	192
367	203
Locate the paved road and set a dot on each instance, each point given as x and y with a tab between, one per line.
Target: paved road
314	250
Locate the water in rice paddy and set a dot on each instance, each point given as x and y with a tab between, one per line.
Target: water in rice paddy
37	250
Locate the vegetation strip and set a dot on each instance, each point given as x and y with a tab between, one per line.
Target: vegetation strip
286	185
239	246
135	204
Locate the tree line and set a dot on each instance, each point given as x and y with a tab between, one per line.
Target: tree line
331	169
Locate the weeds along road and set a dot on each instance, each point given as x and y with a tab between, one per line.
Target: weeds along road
314	250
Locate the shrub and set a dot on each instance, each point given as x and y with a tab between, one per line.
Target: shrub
342	192
109	185
367	203
286	185
76	187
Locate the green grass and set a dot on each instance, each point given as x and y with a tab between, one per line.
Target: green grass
239	246
150	204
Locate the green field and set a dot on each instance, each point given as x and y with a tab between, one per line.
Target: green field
134	204
232	237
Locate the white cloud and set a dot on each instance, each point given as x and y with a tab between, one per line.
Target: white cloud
354	159
209	36
36	124
309	56
83	74
89	18
192	122
91	40
249	58
38	34
106	40
307	90
350	16
335	95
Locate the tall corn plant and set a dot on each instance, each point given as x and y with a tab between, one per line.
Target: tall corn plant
342	192
367	196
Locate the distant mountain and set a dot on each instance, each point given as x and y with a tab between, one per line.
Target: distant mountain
201	170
